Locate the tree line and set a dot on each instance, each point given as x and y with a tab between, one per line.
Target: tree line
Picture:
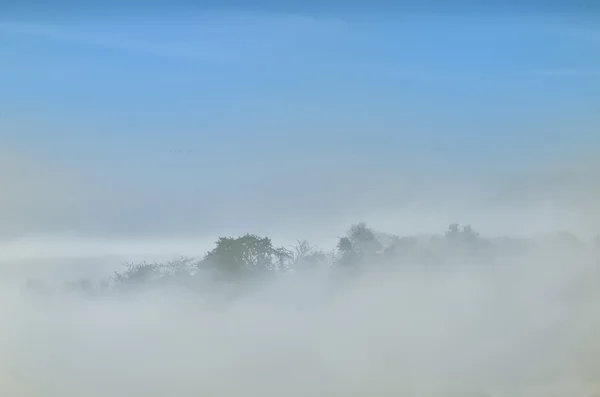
253	257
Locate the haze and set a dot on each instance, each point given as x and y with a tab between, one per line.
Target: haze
141	136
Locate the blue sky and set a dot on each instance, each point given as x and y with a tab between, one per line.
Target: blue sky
210	103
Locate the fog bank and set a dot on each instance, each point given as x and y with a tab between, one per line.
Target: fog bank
521	324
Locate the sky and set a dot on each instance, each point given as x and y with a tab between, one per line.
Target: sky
172	122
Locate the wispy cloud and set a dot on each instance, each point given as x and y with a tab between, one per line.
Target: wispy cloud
190	50
585	33
568	72
209	37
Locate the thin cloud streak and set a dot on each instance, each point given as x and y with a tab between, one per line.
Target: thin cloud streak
209	37
174	50
568	72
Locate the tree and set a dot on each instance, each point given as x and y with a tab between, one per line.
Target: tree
466	235
360	244
137	274
305	256
245	255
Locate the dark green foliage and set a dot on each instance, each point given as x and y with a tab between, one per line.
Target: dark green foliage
359	245
254	257
246	255
137	273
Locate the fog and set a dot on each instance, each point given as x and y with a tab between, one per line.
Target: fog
160	170
515	324
519	322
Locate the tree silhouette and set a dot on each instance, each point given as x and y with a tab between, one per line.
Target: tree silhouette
246	255
360	244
